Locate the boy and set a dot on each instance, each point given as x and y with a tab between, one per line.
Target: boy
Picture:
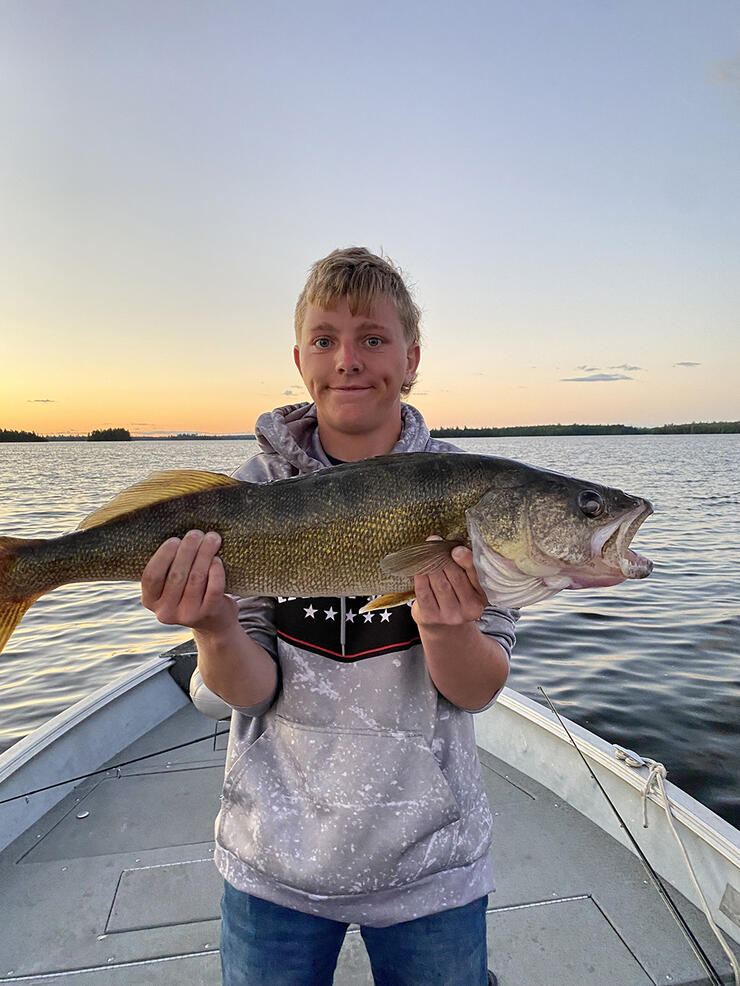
352	790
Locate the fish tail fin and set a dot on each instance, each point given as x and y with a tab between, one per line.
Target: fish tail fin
12	606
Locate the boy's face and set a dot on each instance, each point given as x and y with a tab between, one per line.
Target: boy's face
354	366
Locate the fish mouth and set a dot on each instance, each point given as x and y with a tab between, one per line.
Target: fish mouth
611	543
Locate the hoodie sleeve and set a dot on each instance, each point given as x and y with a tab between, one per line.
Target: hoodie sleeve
499	624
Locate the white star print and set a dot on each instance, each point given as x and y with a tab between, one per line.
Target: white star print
369	617
309	611
385	616
349	616
330	613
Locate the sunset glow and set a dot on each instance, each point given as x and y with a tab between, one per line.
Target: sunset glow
561	188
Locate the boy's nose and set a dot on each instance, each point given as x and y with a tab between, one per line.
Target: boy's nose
348	358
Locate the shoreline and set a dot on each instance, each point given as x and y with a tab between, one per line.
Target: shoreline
507	431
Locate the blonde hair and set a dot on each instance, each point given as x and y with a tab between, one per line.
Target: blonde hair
362	278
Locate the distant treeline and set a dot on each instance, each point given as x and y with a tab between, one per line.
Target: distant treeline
20	436
122	435
694	428
190	437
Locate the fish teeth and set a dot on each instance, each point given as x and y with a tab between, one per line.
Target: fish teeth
635	567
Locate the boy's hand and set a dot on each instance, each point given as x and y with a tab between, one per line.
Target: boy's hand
450	596
184	582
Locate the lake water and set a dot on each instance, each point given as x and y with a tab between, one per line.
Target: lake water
652	665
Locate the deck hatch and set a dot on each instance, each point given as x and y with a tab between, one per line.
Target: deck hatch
532	944
132	813
164	895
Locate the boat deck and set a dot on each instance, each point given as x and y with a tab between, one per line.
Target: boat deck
115	886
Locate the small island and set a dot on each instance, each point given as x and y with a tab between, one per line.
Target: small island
110	435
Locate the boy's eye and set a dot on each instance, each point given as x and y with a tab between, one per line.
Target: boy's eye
374	341
322	342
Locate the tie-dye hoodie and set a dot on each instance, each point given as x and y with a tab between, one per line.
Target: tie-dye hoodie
355	792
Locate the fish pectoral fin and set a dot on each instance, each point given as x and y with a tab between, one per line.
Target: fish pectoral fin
157	488
418	559
389	601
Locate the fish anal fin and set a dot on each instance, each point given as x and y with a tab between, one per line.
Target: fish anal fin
157	488
389	601
418	559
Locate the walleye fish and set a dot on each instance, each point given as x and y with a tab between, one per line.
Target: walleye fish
357	529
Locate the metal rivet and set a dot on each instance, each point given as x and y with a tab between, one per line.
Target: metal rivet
82	814
111	959
64	869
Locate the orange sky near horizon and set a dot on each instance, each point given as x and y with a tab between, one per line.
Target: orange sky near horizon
561	189
225	397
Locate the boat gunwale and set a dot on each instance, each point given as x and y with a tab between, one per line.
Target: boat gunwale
49	732
695	816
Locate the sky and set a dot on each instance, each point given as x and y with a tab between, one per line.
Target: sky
560	183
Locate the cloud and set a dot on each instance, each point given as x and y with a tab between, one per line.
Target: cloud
627	367
588	369
40	400
596	378
687	363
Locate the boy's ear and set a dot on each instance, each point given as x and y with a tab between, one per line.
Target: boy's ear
297	358
413	356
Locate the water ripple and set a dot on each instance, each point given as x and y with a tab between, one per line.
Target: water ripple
652	665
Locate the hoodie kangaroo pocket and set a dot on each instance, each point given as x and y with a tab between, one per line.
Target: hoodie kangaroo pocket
335	812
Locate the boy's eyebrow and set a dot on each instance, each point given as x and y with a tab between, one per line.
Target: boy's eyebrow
328	327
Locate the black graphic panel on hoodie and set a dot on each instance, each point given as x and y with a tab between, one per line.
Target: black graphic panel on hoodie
335	628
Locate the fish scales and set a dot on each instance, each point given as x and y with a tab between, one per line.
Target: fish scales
355	529
328	531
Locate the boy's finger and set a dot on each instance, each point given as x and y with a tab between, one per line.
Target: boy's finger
425	604
216	584
179	571
464	558
154	575
196	584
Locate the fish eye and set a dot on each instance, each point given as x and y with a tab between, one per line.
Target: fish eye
591	503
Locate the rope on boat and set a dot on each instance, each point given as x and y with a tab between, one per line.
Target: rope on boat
696	946
115	766
654	785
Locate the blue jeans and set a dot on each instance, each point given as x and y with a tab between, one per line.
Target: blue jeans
264	944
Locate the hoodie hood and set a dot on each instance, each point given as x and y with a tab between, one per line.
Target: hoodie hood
292	433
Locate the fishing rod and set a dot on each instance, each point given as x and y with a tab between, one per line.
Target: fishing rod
657	882
116	766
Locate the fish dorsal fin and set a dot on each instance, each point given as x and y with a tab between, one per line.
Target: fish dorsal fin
418	559
157	488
